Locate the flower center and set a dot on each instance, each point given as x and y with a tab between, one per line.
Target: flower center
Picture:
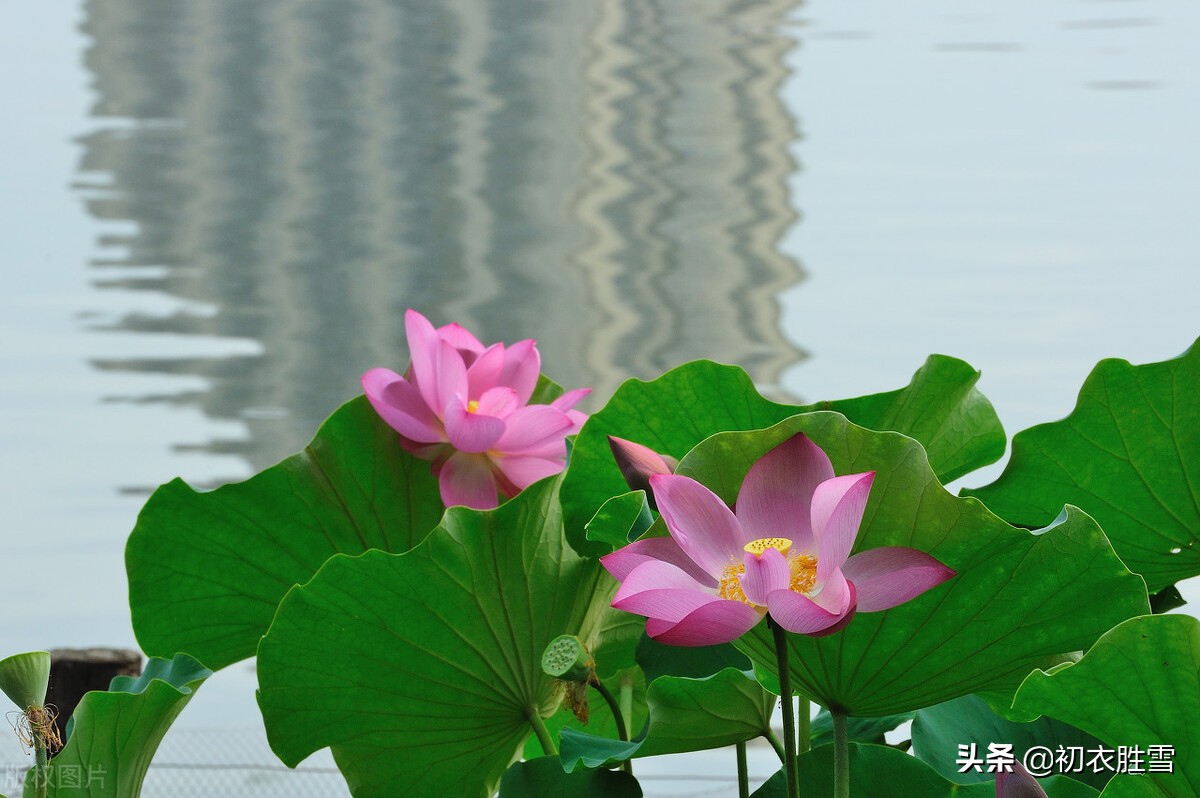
759	547
473	406
802	567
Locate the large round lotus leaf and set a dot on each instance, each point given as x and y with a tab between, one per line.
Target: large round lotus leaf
24	678
1139	685
1017	597
421	670
940	408
206	570
1129	454
115	733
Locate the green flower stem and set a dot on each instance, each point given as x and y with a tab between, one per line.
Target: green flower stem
618	716
773	739
39	753
804	739
743	772
841	755
626	698
789	715
543	734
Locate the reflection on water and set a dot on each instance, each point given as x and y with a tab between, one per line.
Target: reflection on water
609	178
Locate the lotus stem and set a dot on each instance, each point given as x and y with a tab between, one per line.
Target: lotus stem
773	739
626	696
618	716
743	771
804	738
543	734
789	715
841	755
39	753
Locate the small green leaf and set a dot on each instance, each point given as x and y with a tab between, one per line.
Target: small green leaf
115	733
24	678
1129	454
696	662
620	520
1167	599
1017	597
544	778
685	715
206	570
435	653
938	731
1139	685
940	408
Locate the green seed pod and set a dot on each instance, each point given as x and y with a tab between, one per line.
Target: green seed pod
567	659
24	678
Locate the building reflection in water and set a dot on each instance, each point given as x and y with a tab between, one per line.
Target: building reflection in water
610	178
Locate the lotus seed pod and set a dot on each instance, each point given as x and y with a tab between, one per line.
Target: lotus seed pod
24	678
567	658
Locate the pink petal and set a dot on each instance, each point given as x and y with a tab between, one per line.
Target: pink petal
891	575
660	590
570	399
458	337
499	402
1018	784
523	471
436	365
719	621
764	575
521	366
466	479
484	373
400	405
835	595
529	427
471	432
776	497
798	613
637	462
837	511
622	561
700	523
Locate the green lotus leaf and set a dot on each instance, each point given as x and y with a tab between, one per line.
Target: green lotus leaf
938	731
877	771
620	519
206	570
1125	786
657	659
544	778
421	671
685	715
1128	454
940	408
1017	597
1139	685
115	733
24	678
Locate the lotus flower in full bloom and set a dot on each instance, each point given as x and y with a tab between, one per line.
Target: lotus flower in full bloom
465	406
784	550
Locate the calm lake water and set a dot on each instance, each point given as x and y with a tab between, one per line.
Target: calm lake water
217	212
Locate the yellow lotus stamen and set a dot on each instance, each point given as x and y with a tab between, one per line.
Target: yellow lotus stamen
730	586
473	406
759	547
804	573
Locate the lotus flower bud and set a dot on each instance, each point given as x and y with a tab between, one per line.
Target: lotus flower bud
638	463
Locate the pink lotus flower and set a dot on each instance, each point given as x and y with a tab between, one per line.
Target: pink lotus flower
785	550
466	407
